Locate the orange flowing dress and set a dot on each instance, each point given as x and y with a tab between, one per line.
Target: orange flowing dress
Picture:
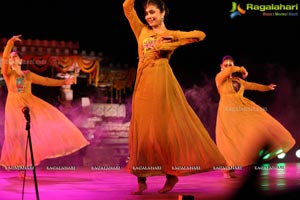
243	128
165	135
52	133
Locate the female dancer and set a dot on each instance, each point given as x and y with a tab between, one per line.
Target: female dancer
52	133
243	128
166	137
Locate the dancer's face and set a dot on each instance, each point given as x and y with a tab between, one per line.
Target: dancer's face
227	63
14	60
153	15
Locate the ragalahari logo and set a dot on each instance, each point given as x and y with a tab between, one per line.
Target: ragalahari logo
236	10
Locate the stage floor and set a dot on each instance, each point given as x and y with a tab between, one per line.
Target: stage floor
274	181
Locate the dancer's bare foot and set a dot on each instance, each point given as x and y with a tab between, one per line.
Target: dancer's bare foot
141	188
226	175
169	185
229	175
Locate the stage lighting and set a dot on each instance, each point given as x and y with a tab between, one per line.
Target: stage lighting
281	156
298	153
265	155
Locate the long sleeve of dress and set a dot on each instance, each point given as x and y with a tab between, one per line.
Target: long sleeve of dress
5	58
135	23
255	86
225	73
180	38
189	37
37	79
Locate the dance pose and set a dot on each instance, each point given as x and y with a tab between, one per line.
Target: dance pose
52	133
244	129
166	137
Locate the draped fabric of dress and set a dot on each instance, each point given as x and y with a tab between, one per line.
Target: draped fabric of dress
166	136
52	133
244	128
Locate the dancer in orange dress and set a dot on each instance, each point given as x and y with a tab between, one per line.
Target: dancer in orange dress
166	137
52	133
243	128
